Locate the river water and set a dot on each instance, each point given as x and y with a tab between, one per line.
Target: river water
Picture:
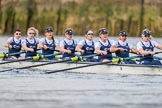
34	89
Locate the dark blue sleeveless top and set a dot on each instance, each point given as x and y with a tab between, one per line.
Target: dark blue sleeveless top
69	47
107	49
125	53
31	45
16	47
88	49
149	48
50	50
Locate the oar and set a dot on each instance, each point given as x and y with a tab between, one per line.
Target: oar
158	52
31	58
51	62
116	60
76	58
5	55
89	65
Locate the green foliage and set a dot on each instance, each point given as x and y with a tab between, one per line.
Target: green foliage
82	15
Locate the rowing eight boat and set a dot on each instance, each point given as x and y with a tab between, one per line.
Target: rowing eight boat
96	69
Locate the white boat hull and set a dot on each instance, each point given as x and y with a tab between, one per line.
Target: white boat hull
97	69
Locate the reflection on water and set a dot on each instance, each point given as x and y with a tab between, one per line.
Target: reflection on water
70	90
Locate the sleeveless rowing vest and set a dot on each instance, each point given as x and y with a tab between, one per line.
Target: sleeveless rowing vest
69	47
125	53
88	49
16	47
149	48
107	49
31	45
50	50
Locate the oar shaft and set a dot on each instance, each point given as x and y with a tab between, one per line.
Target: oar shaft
43	64
89	65
16	61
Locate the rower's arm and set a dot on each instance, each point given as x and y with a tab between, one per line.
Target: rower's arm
114	49
63	50
41	45
79	49
133	50
8	45
24	47
58	48
159	46
143	52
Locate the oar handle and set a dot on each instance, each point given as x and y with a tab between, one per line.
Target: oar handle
158	52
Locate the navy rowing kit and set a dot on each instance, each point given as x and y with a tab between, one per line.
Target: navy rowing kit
125	53
16	48
70	47
50	50
31	45
107	49
88	50
148	59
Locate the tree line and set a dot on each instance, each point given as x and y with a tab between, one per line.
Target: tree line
81	15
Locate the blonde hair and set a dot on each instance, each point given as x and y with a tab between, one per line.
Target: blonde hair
34	29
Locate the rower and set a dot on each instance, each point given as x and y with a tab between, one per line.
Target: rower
146	48
103	47
48	43
68	44
30	43
122	43
87	46
14	45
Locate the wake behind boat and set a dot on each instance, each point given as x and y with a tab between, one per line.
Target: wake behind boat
87	67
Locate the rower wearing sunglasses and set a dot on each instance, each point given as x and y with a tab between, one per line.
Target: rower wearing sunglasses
68	44
122	43
87	46
14	45
146	49
48	43
30	43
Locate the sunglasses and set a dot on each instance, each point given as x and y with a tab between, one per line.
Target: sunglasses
18	33
124	35
90	34
146	35
31	33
